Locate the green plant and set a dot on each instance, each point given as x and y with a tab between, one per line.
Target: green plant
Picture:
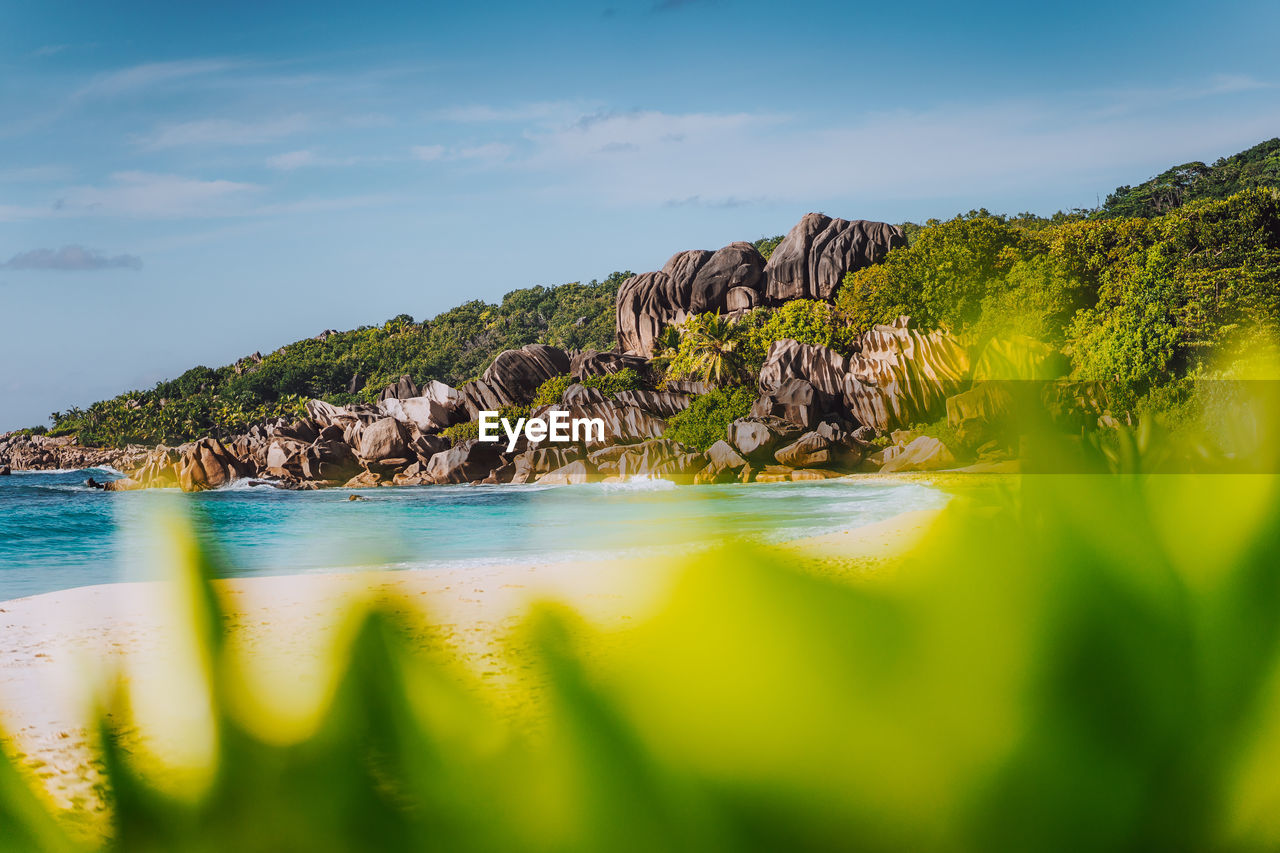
712	348
707	419
610	384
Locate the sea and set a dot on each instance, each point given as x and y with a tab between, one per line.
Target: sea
58	533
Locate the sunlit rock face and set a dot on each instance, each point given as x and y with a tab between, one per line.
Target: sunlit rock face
812	260
691	282
897	377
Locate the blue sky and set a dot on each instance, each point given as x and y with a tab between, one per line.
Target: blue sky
186	183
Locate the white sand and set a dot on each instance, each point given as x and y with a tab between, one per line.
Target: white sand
54	646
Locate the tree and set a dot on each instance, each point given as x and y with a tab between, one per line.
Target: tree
715	346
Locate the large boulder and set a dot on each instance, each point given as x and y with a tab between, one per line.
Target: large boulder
402	389
657	458
795	401
923	454
691	282
581	395
724	464
813	258
383	439
822	367
532	464
664	404
466	462
435	407
330	461
574	473
757	438
206	464
513	378
902	376
811	450
589	362
986	412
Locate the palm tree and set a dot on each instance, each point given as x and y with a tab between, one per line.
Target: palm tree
715	347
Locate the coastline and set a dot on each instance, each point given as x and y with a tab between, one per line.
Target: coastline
53	642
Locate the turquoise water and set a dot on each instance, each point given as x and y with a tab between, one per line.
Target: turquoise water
56	533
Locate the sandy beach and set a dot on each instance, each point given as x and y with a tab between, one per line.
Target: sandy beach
55	647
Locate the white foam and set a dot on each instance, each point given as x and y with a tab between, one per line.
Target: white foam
640	483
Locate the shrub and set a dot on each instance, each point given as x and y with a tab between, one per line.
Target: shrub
610	384
707	419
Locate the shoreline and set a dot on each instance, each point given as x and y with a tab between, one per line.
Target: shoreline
54	643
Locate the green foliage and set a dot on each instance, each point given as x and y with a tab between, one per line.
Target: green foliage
707	419
1258	167
766	245
809	321
610	384
1134	302
712	348
454	347
942	279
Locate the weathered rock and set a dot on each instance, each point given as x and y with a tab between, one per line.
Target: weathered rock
364	480
513	378
622	424
590	362
811	450
661	458
924	454
580	395
802	474
813	258
822	367
426	446
795	401
756	439
691	282
437	406
206	464
664	404
902	376
531	464
382	439
774	474
403	389
329	461
466	462
983	414
572	474
724	464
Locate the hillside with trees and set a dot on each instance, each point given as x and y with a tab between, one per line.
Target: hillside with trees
1145	293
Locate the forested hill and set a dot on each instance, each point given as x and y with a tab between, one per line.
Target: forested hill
1257	167
1090	276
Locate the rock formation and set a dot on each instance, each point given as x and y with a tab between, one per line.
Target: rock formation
691	282
513	378
813	258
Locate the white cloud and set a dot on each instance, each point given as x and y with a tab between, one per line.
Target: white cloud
70	258
147	195
538	111
219	131
293	160
976	151
488	152
427	152
137	77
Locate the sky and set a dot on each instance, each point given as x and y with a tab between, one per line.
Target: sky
187	183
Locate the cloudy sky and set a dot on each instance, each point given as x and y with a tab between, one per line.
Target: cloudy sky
186	183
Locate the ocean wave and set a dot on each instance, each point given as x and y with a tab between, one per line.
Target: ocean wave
640	483
109	469
245	484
